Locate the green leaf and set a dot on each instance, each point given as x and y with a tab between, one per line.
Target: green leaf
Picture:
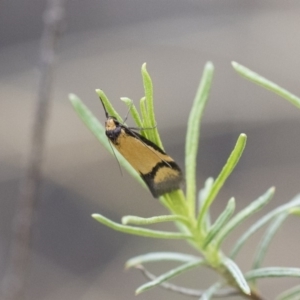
98	130
153	220
261	222
266	240
271	272
110	109
203	194
193	134
168	275
161	256
134	112
140	231
237	275
295	211
175	202
290	294
220	222
219	182
143	110
148	88
149	118
210	292
245	213
269	85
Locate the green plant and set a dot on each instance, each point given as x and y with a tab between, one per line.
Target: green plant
191	214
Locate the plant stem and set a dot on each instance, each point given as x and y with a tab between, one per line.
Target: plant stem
15	279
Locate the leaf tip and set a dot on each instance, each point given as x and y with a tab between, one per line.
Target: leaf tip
73	98
144	66
98	92
246	289
234	64
138	291
243	138
126	266
272	190
209	66
124	220
231	201
126	100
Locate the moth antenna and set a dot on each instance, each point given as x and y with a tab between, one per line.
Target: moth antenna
127	114
106	113
112	148
141	128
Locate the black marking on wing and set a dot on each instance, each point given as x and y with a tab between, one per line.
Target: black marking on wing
168	185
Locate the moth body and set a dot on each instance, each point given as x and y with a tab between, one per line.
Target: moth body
159	171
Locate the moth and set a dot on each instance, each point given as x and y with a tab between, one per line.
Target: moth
159	171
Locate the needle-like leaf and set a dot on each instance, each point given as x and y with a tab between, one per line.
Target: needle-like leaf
160	256
261	222
237	275
220	222
153	220
290	294
242	215
270	272
193	134
134	112
269	85
211	291
98	130
266	240
168	275
140	231
219	182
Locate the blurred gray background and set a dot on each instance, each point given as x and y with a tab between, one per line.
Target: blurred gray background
103	46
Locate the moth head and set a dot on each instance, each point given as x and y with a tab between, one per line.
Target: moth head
111	123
